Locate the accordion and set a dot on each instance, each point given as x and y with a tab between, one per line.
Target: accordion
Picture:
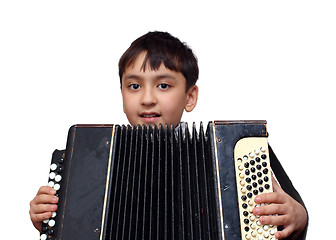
161	182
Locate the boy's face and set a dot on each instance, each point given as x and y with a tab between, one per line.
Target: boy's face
154	97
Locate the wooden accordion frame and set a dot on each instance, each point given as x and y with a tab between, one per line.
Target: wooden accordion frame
155	182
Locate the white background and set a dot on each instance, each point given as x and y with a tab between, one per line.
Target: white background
258	60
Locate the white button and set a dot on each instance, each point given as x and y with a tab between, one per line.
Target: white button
57	187
51	184
52	175
51	223
43	237
46	221
53	214
53	166
58	178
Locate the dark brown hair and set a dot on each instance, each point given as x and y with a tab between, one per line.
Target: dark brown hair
161	47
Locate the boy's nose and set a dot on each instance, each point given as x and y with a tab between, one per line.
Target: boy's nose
148	97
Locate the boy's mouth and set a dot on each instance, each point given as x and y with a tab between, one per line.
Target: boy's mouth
151	117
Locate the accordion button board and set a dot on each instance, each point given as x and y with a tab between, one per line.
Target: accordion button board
155	182
254	178
54	181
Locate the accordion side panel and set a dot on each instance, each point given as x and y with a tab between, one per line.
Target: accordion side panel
85	191
226	136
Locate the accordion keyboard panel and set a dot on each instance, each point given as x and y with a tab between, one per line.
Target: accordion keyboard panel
253	177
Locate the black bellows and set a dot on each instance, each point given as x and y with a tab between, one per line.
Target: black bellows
161	184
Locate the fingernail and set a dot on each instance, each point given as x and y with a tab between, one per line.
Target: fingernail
256	210
55	199
53	207
52	191
262	219
257	199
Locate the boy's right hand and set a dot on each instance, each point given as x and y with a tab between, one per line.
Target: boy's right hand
42	206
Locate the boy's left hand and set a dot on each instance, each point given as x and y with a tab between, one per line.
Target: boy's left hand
290	214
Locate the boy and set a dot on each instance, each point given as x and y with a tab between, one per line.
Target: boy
158	74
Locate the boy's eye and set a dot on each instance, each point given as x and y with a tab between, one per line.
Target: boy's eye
134	86
163	86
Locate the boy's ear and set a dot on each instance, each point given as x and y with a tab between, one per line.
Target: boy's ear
192	95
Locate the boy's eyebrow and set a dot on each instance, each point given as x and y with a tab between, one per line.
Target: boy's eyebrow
158	77
132	76
165	76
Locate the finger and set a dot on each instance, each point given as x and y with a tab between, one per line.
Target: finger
286	232
278	220
270	209
36	218
273	197
46	190
43	199
41	208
